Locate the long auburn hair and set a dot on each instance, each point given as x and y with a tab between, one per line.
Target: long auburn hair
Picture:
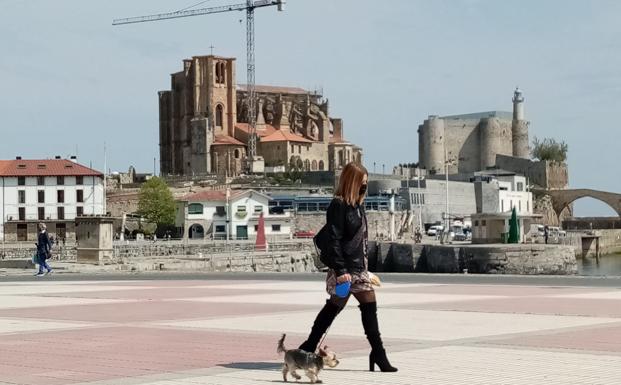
350	182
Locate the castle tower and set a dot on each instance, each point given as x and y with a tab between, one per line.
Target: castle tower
519	127
491	141
433	141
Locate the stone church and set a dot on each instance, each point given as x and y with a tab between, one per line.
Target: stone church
204	124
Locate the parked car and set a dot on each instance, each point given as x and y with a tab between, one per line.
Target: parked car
434	230
557	232
458	233
304	234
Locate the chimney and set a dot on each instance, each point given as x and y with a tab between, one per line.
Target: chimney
73	158
57	157
18	158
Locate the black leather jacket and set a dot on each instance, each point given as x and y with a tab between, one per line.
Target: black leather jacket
344	222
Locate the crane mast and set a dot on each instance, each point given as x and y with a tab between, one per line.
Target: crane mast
249	7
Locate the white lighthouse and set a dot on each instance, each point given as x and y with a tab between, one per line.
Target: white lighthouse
519	127
518	104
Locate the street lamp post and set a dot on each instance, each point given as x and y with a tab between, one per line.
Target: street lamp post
447	220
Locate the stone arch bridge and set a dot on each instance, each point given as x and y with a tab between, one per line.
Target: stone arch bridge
563	198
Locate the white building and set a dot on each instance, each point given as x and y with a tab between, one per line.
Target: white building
52	191
496	197
211	214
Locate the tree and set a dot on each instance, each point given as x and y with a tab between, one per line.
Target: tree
156	202
549	149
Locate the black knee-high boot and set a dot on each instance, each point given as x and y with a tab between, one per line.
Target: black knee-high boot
371	329
322	323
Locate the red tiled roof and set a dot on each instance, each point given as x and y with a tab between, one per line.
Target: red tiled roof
274	89
285	136
44	167
227	140
210	196
262	130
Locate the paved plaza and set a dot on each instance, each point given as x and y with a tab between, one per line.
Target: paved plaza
218	331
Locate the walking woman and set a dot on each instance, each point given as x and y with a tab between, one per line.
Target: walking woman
44	250
348	245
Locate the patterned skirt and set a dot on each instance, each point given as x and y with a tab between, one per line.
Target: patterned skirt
359	282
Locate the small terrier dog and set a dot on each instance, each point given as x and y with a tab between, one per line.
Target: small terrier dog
310	362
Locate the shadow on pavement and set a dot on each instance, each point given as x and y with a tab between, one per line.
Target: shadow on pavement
253	365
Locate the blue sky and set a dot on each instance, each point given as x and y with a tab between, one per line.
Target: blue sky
71	80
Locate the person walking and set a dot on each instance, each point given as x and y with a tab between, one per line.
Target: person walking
347	246
44	250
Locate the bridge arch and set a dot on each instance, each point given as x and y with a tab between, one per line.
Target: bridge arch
563	198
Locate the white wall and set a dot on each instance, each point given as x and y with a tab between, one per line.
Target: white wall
93	196
248	201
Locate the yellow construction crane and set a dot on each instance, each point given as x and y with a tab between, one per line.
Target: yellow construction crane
249	7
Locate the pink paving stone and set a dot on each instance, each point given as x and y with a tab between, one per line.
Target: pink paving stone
118	352
501	290
602	338
176	283
147	311
531	305
159	293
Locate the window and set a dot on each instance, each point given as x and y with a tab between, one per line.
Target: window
321	165
220	229
275	228
219	113
22	232
79	180
21	196
520	186
22	213
61	212
61	231
299	149
79	211
256	228
220	211
60	196
240	212
40	181
60	180
292	148
79	196
237	153
527	206
476	222
41	212
21	180
258	209
195	208
483	223
41	196
502	206
220	72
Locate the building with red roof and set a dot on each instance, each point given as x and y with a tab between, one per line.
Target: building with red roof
218	214
52	191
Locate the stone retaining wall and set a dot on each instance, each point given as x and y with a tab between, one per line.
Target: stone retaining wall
480	259
609	242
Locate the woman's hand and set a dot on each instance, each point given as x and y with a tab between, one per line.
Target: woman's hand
343	278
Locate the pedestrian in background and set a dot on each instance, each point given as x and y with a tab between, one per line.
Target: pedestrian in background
44	250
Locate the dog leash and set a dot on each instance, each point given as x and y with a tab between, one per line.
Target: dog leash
323	339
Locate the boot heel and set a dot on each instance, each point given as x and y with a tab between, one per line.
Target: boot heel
371	363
